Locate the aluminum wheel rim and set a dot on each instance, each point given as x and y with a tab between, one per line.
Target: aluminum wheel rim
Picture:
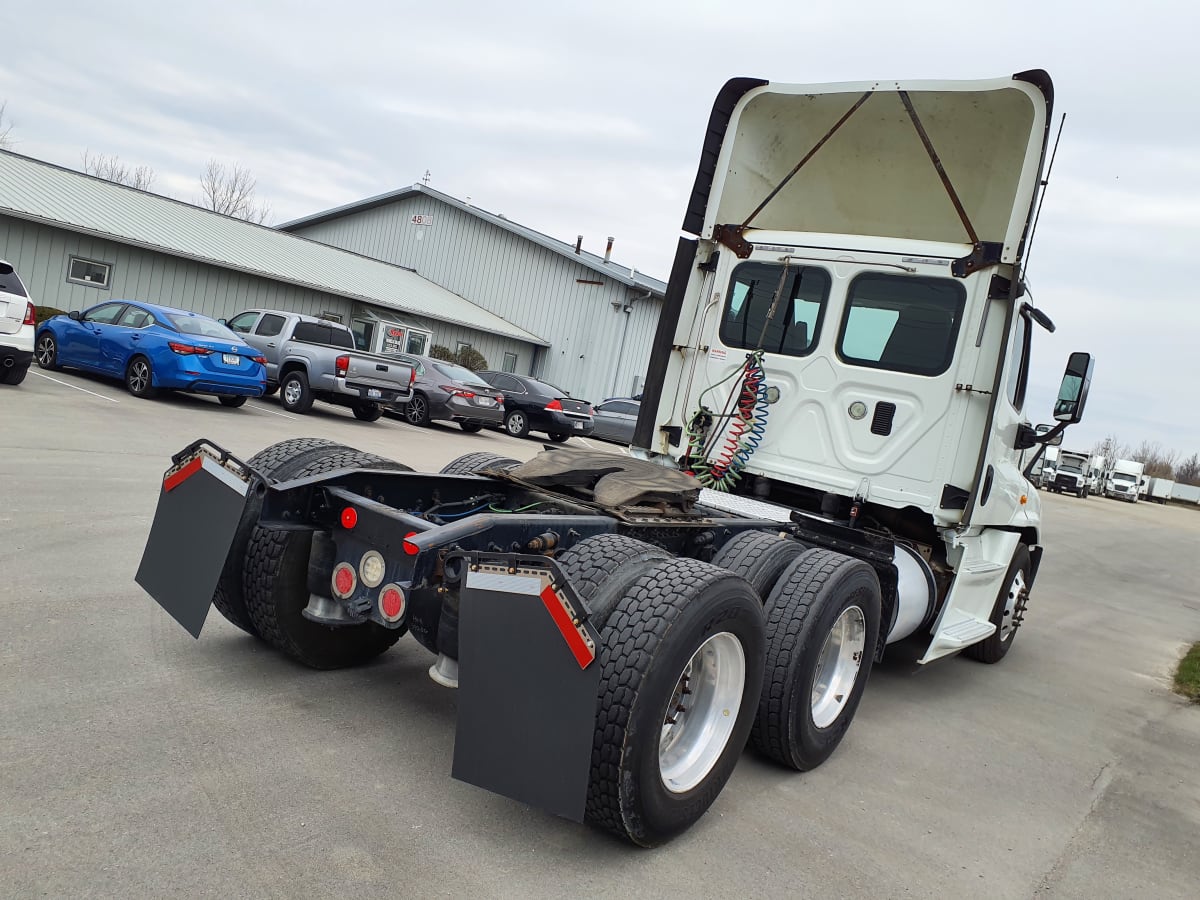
415	410
45	351
703	711
291	392
139	377
838	666
515	423
1008	625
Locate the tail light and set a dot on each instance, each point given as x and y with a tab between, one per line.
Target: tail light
342	365
30	315
591	410
261	360
188	349
554	406
499	398
412	377
457	392
345	580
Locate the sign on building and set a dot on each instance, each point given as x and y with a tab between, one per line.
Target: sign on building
422	219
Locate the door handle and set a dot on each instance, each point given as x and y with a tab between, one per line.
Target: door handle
270	343
135	337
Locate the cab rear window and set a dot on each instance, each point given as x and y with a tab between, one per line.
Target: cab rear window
903	324
753	319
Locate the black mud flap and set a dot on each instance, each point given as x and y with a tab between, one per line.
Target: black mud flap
199	507
528	676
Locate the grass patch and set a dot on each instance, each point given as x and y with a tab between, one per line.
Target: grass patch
1187	677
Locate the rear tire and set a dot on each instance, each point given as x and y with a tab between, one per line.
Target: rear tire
367	411
825	603
471	427
559	437
684	626
603	568
232	402
760	557
474	463
275	579
294	393
14	374
139	378
516	423
1008	611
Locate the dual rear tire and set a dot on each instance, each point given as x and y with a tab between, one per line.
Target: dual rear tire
263	587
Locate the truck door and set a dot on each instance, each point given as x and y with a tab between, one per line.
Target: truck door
266	338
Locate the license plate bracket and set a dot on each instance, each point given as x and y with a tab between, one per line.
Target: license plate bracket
231	359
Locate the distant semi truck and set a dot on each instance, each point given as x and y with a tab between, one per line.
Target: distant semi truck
1159	489
1072	473
1124	480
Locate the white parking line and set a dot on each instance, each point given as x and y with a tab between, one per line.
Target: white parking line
74	387
273	412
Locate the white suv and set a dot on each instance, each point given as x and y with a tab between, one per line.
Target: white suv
17	321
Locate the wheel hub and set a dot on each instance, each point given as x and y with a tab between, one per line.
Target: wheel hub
838	666
1014	606
702	712
291	392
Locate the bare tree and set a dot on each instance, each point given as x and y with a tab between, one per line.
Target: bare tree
1188	471
110	168
1112	449
1159	463
6	140
229	190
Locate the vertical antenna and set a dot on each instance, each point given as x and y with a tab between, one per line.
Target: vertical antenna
425	178
1042	198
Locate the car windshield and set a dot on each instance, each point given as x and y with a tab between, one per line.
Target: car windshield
201	327
458	373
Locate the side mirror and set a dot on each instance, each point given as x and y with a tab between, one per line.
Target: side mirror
222	321
1072	394
1054	441
75	315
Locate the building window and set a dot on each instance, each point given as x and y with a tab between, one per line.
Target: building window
418	342
89	272
510	362
461	346
330	316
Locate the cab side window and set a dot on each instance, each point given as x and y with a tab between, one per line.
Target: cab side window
243	322
270	325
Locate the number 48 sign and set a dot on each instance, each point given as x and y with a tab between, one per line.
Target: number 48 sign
422	219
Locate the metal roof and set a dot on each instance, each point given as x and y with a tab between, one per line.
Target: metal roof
623	274
63	198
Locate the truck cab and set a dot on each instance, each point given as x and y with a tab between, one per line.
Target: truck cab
849	337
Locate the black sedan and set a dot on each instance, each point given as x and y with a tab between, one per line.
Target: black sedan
532	405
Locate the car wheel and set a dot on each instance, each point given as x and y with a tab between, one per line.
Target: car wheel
559	437
416	412
139	378
516	424
294	392
14	374
47	351
232	402
470	427
367	411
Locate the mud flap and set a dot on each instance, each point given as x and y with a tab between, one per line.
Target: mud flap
528	678
198	511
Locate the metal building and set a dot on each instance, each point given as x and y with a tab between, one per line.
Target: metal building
598	317
77	241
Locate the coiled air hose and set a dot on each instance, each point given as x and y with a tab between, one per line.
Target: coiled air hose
720	446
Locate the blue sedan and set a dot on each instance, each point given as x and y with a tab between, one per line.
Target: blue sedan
154	347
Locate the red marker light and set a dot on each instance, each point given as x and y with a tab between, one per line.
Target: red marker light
391	603
349	517
409	547
344	580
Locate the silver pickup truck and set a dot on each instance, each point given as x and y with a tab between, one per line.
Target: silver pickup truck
314	359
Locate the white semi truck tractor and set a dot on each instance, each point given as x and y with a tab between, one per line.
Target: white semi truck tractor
829	446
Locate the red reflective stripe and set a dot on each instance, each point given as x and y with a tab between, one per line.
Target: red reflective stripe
173	481
583	654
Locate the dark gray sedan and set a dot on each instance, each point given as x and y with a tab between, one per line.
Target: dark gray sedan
447	392
615	420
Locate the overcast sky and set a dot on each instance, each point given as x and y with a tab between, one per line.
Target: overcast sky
588	119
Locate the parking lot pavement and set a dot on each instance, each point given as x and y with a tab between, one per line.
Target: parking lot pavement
135	760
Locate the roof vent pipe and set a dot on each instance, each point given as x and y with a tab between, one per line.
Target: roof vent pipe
608	250
578	244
